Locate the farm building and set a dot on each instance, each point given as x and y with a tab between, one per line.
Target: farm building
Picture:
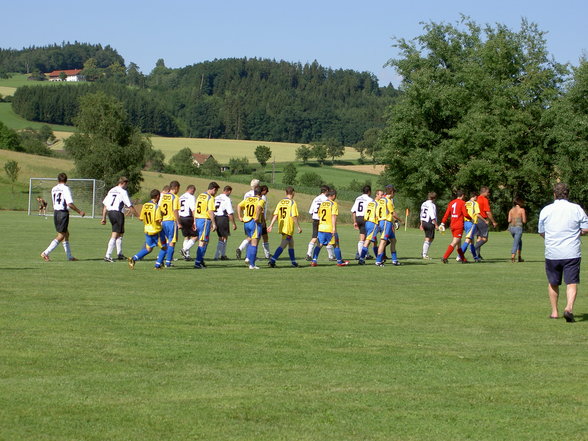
70	75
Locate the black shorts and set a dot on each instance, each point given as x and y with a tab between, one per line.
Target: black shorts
482	228
360	224
222	226
569	268
315	224
117	219
187	224
61	220
429	229
264	229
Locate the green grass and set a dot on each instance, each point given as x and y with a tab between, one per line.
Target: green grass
94	351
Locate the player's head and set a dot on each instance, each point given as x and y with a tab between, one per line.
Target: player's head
561	191
254	183
213	188
62	178
484	191
191	189
432	196
165	189
123	181
390	189
379	194
459	194
324	189
332	194
518	201
289	191
154	195
227	190
174	186
367	189
474	195
264	190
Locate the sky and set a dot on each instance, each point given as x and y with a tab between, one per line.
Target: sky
338	34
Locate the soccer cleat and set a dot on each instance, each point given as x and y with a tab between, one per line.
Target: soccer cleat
369	257
247	260
72	259
169	265
477	260
458	259
343	263
356	256
203	264
131	263
332	259
444	260
380	264
272	263
121	257
308	258
108	259
425	257
313	263
238	253
224	258
253	267
464	261
198	266
45	257
361	262
295	264
396	263
157	267
185	255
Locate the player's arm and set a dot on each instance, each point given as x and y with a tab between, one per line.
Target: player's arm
103	221
297	222
446	215
240	211
334	223
271	225
354	217
74	208
232	219
491	217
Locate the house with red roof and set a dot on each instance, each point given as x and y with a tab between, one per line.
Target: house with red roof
66	75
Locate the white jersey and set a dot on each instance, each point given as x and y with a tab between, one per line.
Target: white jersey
187	205
428	211
223	205
61	197
315	204
116	199
360	205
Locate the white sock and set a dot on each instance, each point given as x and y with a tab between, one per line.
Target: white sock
119	246
266	250
223	248
359	247
189	245
244	244
331	251
219	250
310	249
426	246
67	249
110	247
51	247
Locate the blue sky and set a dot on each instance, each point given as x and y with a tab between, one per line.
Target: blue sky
338	34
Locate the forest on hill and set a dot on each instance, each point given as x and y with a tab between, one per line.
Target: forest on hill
239	98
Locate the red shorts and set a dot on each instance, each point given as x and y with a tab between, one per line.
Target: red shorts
457	231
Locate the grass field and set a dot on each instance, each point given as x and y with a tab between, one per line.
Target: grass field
425	351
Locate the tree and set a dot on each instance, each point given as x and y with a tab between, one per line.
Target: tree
290	173
303	153
9	139
12	170
182	163
471	112
239	166
334	149
311	179
319	152
105	145
263	153
211	167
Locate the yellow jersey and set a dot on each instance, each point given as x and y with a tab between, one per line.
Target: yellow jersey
168	203
326	211
286	210
204	204
250	210
371	212
385	209
473	209
151	217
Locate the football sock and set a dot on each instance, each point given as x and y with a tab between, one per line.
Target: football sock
330	251
375	251
279	251
243	244
426	245
315	253
448	252
252	253
310	249
190	244
394	256
379	257
219	250
337	251
223	248
473	250
160	257
67	249
266	250
110	247
363	253
359	247
461	254
118	242
199	255
169	255
292	255
141	254
51	247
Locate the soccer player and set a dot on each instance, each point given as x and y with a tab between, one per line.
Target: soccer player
186	212
223	216
470	227
387	221
250	212
358	215
265	239
205	223
286	213
245	243
313	211
456	209
152	218
169	204
42	206
327	229
62	202
428	222
484	219
113	204
371	226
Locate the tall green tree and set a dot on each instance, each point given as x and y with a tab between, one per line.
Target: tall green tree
471	111
263	153
303	153
9	139
334	149
290	172
319	152
12	170
182	163
105	145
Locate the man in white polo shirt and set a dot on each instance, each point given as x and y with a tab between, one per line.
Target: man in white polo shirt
561	224
113	204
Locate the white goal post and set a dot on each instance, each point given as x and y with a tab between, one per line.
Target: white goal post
87	195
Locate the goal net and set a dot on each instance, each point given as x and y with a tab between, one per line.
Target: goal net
87	195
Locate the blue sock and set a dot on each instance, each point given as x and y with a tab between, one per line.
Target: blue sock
375	251
379	257
473	250
169	255
141	254
199	255
160	258
394	257
364	252
464	247
316	252
252	251
338	255
279	251
292	255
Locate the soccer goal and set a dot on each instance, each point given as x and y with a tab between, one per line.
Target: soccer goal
87	195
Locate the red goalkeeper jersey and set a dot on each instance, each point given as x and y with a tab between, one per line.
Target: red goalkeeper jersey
457	210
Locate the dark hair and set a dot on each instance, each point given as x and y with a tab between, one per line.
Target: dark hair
264	188
256	191
561	191
213	185
474	193
366	189
62	177
331	193
122	180
228	188
432	196
174	184
324	188
190	187
459	193
154	193
518	201
290	190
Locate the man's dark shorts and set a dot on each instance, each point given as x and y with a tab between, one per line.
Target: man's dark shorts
429	229
482	228
360	224
315	224
187	224
61	220
222	226
117	220
569	268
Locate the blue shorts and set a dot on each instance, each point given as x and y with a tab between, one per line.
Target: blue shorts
387	230
203	229
170	231
469	229
252	229
371	230
154	240
568	268
327	238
